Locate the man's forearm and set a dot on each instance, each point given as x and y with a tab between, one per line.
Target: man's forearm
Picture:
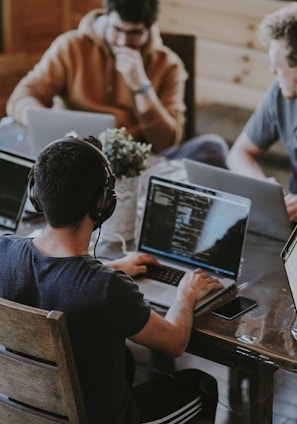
160	128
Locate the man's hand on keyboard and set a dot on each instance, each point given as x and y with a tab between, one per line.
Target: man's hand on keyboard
200	282
134	263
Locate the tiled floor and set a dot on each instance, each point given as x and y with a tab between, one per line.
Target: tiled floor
232	407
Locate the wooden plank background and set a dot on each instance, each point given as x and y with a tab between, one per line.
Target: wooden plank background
232	65
28	28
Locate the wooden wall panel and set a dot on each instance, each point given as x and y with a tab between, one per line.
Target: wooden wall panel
80	8
28	27
12	13
230	21
1	26
237	65
12	68
232	65
42	24
216	91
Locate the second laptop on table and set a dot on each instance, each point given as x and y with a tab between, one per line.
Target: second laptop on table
46	125
268	215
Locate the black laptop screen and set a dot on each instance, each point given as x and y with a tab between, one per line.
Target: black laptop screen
13	182
194	225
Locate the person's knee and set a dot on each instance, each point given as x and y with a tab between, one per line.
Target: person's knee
205	385
207	148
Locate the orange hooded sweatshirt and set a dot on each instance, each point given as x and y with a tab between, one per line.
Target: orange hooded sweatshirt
79	68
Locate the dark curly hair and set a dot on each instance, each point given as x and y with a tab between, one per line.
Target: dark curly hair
135	11
68	179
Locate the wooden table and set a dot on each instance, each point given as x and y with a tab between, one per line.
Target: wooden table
255	344
259	342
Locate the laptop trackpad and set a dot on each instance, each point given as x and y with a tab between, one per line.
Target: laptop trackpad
155	292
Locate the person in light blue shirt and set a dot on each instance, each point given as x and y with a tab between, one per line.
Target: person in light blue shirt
276	116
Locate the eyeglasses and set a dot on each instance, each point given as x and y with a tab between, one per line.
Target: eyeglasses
132	34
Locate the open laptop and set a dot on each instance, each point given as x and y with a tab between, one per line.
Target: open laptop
289	259
187	227
268	214
14	170
46	125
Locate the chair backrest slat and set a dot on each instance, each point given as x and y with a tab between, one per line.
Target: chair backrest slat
38	377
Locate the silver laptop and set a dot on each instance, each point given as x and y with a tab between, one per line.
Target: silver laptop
186	227
289	259
14	170
46	125
268	214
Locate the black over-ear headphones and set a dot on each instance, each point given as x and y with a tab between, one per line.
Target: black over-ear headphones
103	207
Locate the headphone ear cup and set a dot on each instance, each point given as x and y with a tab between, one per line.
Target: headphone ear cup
109	204
104	207
31	191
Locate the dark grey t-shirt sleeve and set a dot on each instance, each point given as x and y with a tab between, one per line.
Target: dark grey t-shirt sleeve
128	312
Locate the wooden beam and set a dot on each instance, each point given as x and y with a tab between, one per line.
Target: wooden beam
10	63
233	64
12	13
210	90
230	21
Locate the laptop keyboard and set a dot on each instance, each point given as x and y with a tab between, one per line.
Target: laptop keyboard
166	274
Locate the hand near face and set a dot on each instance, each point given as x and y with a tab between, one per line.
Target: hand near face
129	63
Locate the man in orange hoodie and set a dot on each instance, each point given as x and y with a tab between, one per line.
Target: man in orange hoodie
117	63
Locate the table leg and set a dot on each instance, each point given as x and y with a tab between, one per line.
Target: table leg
261	395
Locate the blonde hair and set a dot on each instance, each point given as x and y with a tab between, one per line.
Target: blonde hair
282	25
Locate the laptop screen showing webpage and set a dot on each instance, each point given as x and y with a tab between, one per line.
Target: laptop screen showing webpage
194	225
14	170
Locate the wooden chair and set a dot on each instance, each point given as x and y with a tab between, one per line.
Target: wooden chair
38	378
184	46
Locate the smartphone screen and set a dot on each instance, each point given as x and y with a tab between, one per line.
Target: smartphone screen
235	307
